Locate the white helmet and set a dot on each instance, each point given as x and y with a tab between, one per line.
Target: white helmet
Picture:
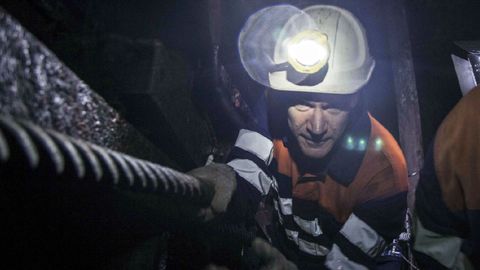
321	49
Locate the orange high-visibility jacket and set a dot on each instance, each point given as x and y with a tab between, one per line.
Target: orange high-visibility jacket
448	192
342	216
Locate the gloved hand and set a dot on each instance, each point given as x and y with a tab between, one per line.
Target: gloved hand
270	258
222	178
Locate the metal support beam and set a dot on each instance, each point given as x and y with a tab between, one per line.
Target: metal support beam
410	130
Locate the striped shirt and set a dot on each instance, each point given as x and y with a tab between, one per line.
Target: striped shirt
340	218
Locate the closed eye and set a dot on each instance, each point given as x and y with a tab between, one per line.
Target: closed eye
302	106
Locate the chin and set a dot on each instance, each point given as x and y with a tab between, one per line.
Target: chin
317	153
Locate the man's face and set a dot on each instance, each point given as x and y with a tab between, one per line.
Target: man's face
317	121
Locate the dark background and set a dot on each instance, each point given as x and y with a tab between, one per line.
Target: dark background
434	26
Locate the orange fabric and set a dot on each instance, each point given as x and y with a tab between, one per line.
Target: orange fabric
457	154
382	173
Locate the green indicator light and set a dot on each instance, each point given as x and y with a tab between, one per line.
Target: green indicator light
378	144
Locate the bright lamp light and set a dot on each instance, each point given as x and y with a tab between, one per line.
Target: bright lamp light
308	51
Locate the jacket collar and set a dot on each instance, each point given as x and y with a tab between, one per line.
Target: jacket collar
350	150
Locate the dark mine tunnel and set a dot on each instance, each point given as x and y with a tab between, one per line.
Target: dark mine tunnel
239	134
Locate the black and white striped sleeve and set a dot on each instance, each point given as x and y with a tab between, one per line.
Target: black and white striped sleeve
250	158
366	233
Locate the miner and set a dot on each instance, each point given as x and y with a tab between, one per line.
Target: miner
334	179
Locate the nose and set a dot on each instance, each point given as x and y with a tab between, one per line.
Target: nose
317	125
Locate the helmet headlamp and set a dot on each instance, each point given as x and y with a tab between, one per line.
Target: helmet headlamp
319	49
308	51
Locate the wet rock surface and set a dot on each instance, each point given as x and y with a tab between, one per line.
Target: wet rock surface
35	85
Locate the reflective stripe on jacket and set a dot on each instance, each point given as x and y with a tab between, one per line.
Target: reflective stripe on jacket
343	217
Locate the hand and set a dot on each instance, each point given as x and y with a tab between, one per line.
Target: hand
270	257
223	180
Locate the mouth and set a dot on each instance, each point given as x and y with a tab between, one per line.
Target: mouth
314	143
